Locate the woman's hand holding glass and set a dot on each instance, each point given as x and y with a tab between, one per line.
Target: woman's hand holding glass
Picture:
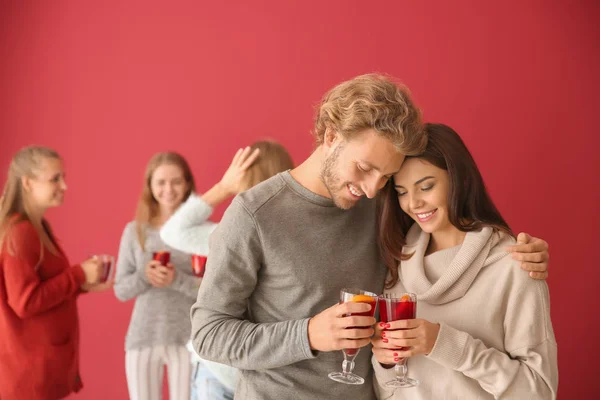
417	336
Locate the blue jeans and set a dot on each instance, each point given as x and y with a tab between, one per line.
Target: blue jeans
205	386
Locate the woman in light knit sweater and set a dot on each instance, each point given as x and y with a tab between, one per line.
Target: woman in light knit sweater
160	324
483	328
188	230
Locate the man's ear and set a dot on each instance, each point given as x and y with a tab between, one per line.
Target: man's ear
330	138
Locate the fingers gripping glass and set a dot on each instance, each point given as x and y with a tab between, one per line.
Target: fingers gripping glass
394	308
360	296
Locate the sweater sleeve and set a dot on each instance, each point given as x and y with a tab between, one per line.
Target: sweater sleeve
219	331
188	229
528	368
382	375
27	295
186	284
130	281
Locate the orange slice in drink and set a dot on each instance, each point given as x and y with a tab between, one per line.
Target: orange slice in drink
362	298
405	298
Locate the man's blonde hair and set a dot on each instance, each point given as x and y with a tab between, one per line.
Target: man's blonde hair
372	101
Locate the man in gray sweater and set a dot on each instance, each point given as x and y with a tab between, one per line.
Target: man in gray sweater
286	247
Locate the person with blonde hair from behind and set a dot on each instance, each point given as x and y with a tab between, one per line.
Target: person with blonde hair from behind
39	326
188	230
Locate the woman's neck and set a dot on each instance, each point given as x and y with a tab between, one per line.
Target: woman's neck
445	239
163	215
36	214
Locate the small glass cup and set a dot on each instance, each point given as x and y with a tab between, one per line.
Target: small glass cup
108	263
198	265
164	257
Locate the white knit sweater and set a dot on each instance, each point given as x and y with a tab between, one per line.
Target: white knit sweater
496	338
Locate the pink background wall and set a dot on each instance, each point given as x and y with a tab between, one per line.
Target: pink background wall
110	83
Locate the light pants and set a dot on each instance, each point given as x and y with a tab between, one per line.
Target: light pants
206	386
145	368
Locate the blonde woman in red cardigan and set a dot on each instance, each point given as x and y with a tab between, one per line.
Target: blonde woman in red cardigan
39	328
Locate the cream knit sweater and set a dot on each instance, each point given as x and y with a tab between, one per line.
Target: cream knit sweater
496	338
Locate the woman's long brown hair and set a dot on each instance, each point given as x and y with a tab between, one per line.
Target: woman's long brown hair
470	207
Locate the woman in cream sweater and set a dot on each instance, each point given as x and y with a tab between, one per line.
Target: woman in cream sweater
483	328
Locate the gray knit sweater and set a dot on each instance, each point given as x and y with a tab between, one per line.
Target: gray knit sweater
160	315
280	255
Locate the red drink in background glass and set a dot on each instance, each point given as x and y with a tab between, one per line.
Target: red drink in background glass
198	265
107	266
163	257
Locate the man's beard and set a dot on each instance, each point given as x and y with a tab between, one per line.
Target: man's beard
332	181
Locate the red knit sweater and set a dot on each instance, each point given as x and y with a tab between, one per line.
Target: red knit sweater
39	327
